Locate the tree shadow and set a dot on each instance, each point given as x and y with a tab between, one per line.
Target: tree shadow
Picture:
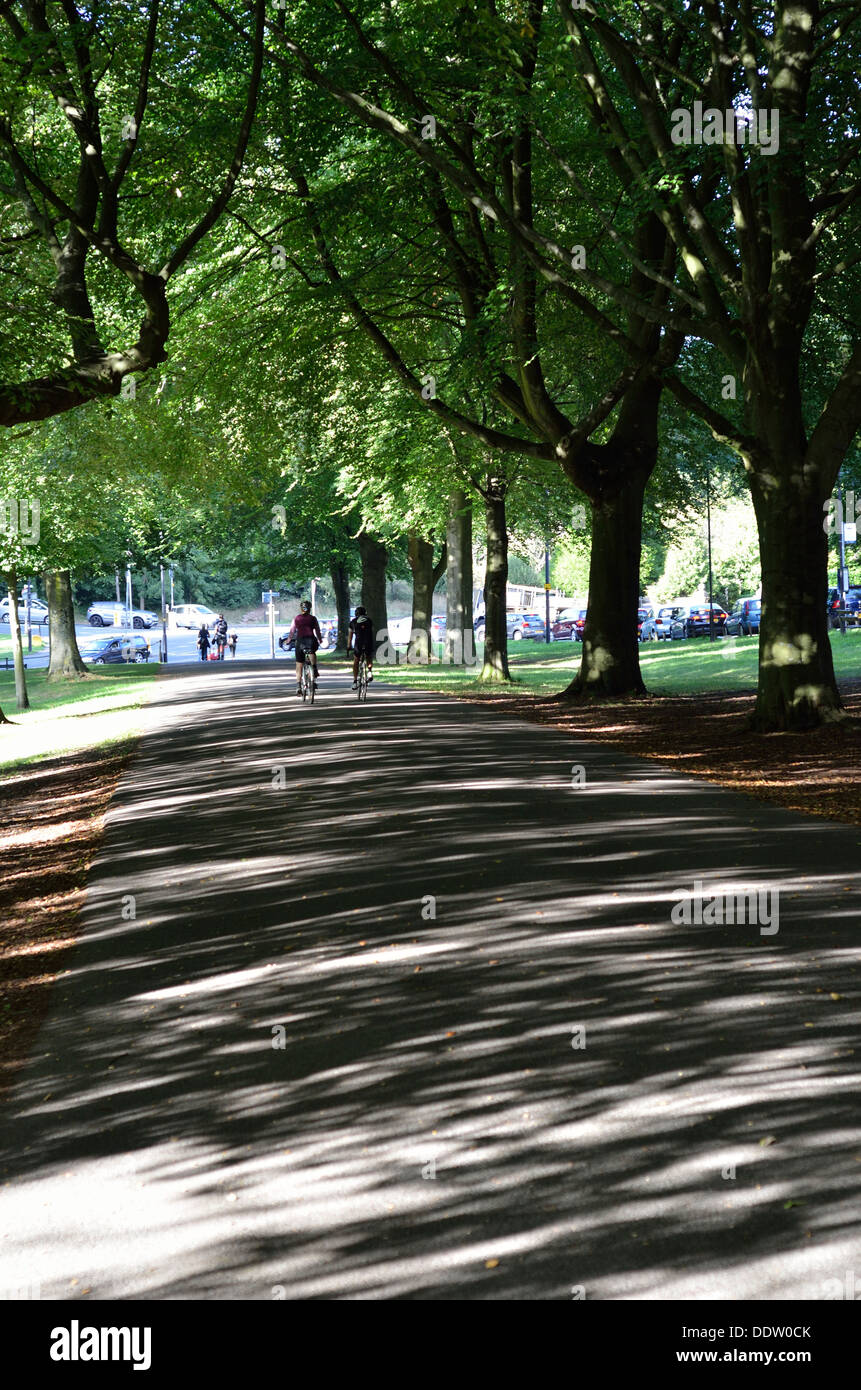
434	1106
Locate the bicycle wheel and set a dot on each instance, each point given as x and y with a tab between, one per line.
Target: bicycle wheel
363	679
309	678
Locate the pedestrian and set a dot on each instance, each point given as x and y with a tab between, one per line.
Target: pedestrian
203	642
220	635
231	642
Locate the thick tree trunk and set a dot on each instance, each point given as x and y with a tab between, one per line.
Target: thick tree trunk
426	576
610	661
458	598
341	588
22	699
797	687
495	665
65	663
374	560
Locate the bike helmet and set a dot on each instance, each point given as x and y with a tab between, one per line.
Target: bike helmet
360	611
305	605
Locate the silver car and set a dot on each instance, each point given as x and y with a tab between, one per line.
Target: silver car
117	615
38	611
657	628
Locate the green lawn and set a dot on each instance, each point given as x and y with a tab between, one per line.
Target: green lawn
6	644
694	667
68	717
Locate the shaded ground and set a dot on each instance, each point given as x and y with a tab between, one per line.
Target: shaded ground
53	820
429	1128
817	773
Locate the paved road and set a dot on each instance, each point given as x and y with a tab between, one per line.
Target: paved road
429	1111
181	645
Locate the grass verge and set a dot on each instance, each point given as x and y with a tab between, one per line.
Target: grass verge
100	710
694	719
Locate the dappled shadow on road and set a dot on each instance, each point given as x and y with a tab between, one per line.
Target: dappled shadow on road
278	860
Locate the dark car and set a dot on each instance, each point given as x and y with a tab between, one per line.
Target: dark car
743	621
328	629
569	625
98	651
851	605
695	622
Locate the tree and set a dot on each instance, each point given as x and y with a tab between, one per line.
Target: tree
74	83
512	334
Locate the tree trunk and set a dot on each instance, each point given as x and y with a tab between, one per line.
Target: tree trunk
610	661
22	699
341	589
374	559
797	687
65	663
495	666
426	576
458	598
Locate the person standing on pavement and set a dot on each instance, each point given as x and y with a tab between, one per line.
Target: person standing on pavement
231	642
220	635
203	642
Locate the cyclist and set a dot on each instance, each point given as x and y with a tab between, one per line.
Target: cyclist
361	641
306	630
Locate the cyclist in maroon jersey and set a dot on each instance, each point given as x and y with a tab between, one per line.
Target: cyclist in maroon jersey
306	630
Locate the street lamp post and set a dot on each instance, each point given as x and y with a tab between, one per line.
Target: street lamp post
841	562
163	615
546	594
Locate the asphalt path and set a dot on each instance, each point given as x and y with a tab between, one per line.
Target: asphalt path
381	1000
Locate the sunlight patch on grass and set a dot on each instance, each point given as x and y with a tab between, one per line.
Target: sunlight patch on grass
69	717
692	667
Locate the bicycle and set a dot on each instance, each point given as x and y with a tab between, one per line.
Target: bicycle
362	678
307	683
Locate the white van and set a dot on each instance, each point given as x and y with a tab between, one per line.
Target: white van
192	615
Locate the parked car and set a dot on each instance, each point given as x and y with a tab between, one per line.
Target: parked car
105	615
193	614
657	628
569	625
522	625
328	628
438	627
744	618
642	615
851	605
694	622
38	611
98	651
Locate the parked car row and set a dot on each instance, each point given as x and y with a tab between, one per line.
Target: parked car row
674	621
